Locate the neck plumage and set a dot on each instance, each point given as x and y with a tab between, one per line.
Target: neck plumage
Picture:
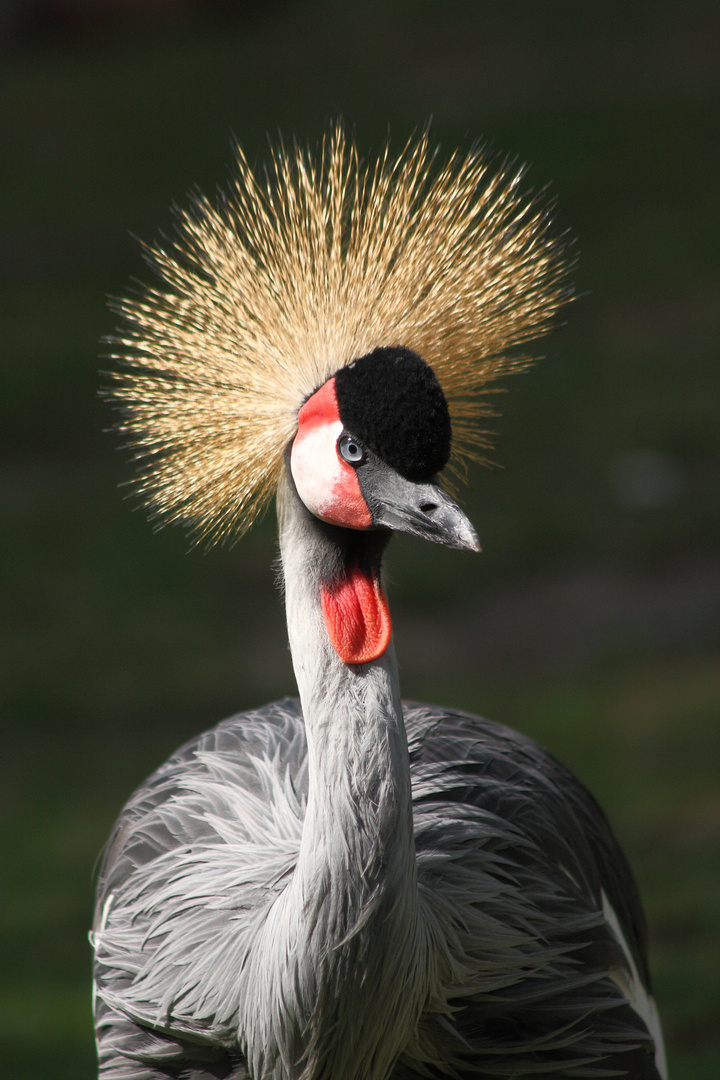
342	950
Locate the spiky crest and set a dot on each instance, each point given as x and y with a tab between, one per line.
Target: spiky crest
295	274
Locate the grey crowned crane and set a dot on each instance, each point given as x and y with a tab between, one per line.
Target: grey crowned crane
344	887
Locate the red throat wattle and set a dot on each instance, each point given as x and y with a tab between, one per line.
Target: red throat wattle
357	617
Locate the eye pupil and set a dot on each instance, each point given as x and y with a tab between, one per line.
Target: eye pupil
350	449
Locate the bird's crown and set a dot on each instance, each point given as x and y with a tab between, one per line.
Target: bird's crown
298	272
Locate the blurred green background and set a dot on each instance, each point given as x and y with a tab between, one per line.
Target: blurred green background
592	618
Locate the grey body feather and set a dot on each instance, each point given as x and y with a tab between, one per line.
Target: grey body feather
512	856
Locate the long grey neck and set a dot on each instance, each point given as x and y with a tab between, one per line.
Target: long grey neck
353	715
345	946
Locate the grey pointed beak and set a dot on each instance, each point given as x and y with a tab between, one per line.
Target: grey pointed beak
421	509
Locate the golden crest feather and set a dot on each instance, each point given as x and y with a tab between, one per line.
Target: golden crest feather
295	274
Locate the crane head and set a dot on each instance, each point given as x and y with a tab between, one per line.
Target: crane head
370	444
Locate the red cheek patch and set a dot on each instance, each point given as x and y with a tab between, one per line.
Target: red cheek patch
321	407
357	617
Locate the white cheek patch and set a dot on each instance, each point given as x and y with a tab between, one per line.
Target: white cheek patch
316	469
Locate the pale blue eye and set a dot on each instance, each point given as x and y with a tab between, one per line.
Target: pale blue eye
350	449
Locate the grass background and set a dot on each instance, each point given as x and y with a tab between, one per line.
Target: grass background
592	619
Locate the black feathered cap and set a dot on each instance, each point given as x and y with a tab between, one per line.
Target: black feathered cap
392	402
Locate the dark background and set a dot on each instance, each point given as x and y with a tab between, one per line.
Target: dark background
592	618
